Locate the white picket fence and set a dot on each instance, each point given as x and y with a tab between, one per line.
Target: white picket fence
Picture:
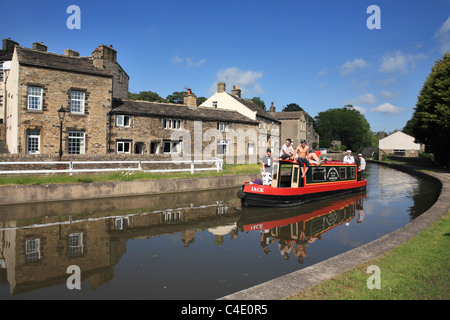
217	164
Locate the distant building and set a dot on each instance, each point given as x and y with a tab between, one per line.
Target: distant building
399	144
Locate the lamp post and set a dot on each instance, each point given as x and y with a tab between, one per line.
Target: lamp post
61	114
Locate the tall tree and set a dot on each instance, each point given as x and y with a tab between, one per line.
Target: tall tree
430	123
345	124
260	103
145	96
176	97
292	107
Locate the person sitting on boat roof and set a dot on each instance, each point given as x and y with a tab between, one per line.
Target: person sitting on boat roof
302	152
362	166
287	151
348	158
313	158
267	167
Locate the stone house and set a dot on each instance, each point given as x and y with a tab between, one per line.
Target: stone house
182	131
40	83
399	144
295	126
269	127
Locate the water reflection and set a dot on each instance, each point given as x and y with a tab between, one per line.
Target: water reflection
293	230
190	245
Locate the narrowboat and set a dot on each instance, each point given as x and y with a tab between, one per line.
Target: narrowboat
289	188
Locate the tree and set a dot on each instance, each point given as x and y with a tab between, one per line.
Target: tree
430	123
145	96
260	103
292	107
345	124
176	97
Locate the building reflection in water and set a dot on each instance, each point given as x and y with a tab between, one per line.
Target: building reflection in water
37	247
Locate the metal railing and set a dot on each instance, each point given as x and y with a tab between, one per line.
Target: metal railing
132	166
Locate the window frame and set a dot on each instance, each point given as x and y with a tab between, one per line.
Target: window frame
82	139
31	134
121	121
123	143
80	100
38	97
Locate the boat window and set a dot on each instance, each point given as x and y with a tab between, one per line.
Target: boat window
343	173
353	172
295	178
318	174
285	176
275	171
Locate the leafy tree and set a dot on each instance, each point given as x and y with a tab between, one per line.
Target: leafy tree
145	96
292	107
260	103
345	124
176	97
430	123
200	100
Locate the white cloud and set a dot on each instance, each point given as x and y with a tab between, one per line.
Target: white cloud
189	61
360	109
399	62
443	36
387	108
368	98
351	66
246	80
389	95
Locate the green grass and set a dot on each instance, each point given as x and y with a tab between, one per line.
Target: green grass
416	270
228	169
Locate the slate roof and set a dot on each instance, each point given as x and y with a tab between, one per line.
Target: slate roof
50	60
285	115
158	109
252	106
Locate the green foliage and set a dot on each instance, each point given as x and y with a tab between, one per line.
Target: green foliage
344	124
145	96
430	123
260	103
292	107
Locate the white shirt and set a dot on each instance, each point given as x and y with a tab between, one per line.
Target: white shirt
287	150
362	164
349	159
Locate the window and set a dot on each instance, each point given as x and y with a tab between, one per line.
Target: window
77	102
1	101
171	146
222	147
34	98
122	121
32	250
75	243
172	123
214	104
33	141
122	223
1	76
222	126
123	147
318	174
154	147
342	173
76	142
399	152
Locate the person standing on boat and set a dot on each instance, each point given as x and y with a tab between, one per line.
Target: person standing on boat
302	152
362	166
287	151
348	158
267	167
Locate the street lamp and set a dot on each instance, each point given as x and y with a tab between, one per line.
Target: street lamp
61	114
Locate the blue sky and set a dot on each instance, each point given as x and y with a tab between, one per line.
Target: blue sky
319	54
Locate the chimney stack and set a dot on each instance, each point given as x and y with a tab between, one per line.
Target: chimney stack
272	108
221	87
8	45
236	92
71	53
39	47
190	99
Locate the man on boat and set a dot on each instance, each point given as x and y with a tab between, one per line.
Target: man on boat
348	158
362	166
302	153
287	151
267	168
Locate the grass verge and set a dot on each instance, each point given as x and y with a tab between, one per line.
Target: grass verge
228	169
416	270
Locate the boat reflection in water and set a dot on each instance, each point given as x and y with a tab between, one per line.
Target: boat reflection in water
294	229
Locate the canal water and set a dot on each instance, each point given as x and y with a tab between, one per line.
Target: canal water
198	245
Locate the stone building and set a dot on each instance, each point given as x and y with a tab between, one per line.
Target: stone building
268	126
399	144
40	83
183	131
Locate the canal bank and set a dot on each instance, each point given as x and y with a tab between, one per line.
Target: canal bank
298	281
19	194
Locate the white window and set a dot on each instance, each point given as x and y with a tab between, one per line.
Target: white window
33	141
32	250
76	142
75	243
123	147
222	147
172	123
214	104
222	126
122	121
77	102
171	146
34	98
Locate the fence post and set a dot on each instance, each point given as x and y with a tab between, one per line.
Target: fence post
192	166
70	168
